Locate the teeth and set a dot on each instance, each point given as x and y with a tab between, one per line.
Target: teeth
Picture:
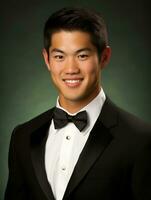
72	81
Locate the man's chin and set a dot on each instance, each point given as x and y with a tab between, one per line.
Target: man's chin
74	98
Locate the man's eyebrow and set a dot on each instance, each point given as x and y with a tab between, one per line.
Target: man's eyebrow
83	49
56	50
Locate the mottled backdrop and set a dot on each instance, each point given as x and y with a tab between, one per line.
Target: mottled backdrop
25	86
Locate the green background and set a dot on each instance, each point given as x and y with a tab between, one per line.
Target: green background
25	86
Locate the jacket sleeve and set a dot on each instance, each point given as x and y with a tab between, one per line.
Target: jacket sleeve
141	181
16	186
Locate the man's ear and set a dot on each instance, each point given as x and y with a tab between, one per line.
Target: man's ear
46	58
105	56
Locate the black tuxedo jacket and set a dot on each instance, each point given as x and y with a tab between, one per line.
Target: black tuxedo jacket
114	164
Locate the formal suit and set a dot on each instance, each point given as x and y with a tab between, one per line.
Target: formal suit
114	164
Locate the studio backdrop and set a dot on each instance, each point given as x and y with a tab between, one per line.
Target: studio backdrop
26	88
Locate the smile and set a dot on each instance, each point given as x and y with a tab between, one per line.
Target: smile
73	82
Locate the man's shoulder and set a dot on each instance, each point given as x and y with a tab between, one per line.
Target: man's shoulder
34	123
129	131
128	121
132	121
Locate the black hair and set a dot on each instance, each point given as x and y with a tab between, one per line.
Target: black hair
72	19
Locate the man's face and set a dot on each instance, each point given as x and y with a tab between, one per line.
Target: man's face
74	66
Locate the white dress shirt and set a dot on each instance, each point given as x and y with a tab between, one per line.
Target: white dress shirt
64	146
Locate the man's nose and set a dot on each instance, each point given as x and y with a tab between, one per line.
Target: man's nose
71	66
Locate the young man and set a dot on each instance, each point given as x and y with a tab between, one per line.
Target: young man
85	147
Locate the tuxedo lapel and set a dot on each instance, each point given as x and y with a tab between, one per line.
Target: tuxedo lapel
100	137
38	140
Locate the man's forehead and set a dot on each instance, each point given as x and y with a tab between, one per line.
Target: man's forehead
71	40
70	36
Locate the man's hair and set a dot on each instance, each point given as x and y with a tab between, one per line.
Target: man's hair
77	19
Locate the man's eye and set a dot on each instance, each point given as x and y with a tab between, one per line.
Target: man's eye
58	57
83	56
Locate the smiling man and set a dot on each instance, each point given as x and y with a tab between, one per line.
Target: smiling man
75	68
85	147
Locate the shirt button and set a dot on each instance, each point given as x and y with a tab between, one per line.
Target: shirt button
68	137
63	168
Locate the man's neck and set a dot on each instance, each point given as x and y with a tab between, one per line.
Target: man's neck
75	106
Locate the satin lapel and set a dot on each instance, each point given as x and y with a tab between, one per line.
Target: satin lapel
38	141
98	141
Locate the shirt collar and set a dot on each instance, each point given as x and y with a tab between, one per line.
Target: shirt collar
93	109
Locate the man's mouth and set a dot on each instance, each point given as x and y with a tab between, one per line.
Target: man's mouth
73	82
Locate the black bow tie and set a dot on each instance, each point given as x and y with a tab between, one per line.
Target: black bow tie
61	118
